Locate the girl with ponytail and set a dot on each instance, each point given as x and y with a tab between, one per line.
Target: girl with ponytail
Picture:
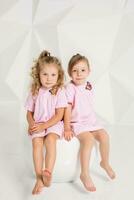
45	109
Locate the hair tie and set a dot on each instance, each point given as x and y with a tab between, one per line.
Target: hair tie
44	54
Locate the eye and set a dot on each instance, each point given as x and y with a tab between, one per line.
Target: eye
83	70
74	70
53	74
44	74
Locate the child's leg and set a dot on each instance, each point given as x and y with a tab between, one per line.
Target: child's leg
38	163
50	157
86	143
102	137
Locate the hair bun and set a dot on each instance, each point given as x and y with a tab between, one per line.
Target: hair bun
44	54
76	55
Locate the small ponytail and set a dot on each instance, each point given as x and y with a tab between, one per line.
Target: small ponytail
44	54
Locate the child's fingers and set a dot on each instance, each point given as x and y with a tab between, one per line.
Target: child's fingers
68	137
34	126
34	129
29	131
72	135
31	128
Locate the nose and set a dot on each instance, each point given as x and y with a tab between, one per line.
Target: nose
78	73
48	78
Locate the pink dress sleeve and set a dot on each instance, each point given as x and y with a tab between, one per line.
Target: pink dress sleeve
61	99
30	102
70	93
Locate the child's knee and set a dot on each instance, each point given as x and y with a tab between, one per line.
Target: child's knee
87	138
50	139
37	143
103	136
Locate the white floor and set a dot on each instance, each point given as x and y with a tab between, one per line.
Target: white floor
17	180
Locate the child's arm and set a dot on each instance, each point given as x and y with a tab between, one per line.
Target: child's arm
38	127
30	118
67	117
67	127
30	121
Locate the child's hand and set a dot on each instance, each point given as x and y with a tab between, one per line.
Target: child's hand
68	134
38	127
31	125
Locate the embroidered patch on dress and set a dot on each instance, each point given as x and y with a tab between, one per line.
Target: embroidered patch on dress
88	86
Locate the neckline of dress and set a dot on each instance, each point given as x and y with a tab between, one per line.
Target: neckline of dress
81	85
45	89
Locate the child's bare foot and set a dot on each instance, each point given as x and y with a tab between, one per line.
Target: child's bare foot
46	176
88	183
108	170
38	186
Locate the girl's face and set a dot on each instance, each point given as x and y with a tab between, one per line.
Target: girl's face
49	75
80	72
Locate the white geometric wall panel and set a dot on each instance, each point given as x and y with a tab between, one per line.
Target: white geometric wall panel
101	30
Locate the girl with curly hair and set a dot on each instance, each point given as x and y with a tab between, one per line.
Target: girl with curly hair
45	109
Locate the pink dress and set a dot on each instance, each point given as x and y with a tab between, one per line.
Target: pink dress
83	117
43	106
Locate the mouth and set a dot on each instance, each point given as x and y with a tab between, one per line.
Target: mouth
79	79
49	83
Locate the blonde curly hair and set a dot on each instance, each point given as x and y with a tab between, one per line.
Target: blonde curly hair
46	58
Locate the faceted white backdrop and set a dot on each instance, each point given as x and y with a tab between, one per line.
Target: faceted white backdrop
102	30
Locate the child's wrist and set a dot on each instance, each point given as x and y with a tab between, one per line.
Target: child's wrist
67	128
31	123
